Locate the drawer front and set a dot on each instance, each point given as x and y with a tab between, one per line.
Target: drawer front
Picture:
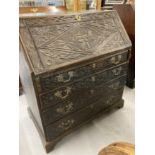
62	109
102	77
56	80
71	121
84	85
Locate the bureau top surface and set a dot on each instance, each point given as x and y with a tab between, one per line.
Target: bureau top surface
51	42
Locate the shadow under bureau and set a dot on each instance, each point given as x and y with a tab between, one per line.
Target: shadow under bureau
73	67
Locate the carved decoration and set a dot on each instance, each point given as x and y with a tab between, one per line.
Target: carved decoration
62	39
116	60
115	85
63	93
65	109
66	124
117	71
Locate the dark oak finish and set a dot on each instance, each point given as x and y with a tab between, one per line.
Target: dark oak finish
72	72
49	145
127	15
48	82
83	87
58	111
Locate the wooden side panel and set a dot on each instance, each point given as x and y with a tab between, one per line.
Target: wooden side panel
28	86
127	15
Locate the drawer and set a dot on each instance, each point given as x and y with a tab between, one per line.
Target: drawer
71	121
84	86
62	109
102	77
57	79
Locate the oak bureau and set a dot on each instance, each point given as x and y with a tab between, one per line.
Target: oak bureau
73	68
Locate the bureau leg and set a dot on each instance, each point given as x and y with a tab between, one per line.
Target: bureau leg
121	104
20	87
49	146
130	83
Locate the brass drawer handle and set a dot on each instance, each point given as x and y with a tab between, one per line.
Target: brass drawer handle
130	55
78	17
110	99
63	93
93	78
94	65
66	109
92	91
66	124
117	71
34	9
91	106
115	85
60	78
117	60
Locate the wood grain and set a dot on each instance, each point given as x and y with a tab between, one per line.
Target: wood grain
118	148
41	9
